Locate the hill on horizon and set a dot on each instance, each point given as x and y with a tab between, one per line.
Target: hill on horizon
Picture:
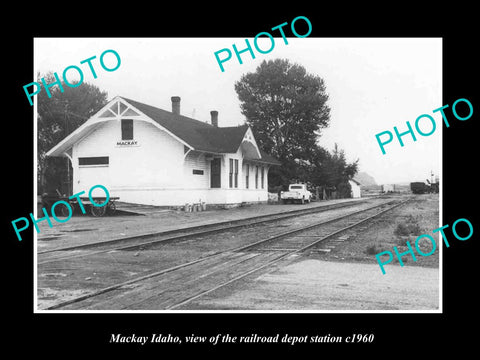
365	179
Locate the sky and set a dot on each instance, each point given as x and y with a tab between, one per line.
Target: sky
373	85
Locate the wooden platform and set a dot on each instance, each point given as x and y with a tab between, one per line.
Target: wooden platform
139	209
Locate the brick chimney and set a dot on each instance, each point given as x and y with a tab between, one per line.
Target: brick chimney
214	115
176	105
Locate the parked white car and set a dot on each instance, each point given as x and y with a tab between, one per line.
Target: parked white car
296	192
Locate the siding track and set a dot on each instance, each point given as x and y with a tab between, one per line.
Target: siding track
174	287
145	240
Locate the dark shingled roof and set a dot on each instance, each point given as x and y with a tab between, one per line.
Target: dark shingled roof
201	136
269	159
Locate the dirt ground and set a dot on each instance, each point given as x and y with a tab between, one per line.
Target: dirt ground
316	285
348	277
395	228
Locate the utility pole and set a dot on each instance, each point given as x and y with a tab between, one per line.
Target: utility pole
67	159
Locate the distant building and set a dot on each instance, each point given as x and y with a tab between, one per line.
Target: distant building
146	155
386	188
356	191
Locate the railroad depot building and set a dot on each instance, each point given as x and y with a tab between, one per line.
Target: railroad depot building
146	155
356	191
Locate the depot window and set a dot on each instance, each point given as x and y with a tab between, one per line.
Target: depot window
262	177
127	129
233	173
236	173
93	161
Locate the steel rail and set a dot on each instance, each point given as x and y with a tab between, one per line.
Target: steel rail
184	234
237	249
280	257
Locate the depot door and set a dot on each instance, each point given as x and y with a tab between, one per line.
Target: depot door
215	173
93	171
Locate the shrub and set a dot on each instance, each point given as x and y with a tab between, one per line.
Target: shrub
402	240
404	229
372	250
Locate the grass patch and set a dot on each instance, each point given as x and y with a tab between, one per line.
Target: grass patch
402	240
374	249
408	227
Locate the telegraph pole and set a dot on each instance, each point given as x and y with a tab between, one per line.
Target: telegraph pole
66	134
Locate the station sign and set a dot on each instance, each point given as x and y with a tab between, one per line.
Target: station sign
127	143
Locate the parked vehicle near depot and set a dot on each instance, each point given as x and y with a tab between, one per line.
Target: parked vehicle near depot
296	193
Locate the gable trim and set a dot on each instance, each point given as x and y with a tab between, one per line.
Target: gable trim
153	122
249	138
91	124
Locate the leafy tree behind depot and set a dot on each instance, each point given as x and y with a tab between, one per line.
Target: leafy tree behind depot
287	108
285	105
58	116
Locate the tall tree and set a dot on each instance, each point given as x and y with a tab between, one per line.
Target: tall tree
58	116
286	108
331	170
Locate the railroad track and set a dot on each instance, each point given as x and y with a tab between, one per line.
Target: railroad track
139	241
176	286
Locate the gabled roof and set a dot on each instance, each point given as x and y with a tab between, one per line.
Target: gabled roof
196	134
201	136
268	159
